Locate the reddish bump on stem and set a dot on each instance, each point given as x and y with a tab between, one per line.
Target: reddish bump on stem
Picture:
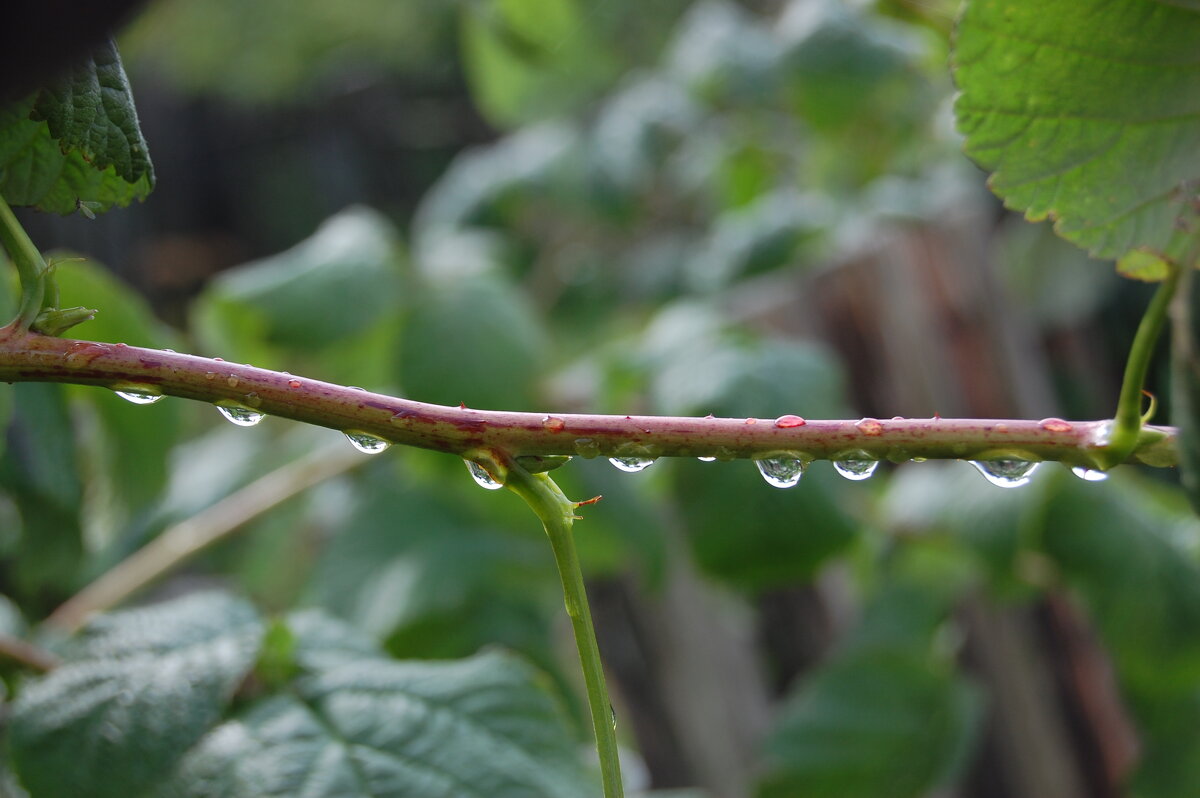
870	426
1055	425
789	421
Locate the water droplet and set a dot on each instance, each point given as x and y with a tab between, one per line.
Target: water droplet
789	421
706	459
587	448
632	464
554	424
242	416
1055	425
856	468
1089	474
293	383
781	472
481	476
367	444
613	713
751	421
869	426
138	395
210	375
231	381
1005	473
252	399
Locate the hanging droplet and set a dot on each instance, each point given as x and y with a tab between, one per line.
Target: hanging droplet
367	444
781	472
1005	473
789	421
706	459
632	464
242	416
1055	425
1089	474
855	468
481	476
138	395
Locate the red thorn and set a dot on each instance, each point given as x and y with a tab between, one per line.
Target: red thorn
462	405
586	502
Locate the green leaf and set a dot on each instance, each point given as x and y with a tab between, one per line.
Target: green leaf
137	691
475	341
376	728
332	286
1087	113
40	470
884	718
77	140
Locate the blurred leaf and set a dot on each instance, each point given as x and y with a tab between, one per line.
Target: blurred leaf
1185	383
637	129
136	440
136	692
529	59
722	51
1143	264
77	140
481	726
476	341
1142	590
845	65
41	472
1169	765
1082	121
332	286
882	718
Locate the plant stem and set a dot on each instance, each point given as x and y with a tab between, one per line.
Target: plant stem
1127	421
557	514
30	266
457	430
182	541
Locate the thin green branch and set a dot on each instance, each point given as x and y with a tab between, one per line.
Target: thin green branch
457	430
557	514
31	267
1127	421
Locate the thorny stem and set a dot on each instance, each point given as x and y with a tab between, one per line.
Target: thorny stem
557	514
31	268
1127	422
26	356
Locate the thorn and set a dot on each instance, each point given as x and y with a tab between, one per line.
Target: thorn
1149	414
586	502
462	405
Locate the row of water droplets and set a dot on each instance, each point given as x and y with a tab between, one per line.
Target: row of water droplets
244	416
780	472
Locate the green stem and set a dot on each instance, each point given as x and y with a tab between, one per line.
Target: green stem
557	514
1127	422
31	267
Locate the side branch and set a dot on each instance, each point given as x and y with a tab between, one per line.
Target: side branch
457	430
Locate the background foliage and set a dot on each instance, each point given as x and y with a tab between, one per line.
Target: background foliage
744	209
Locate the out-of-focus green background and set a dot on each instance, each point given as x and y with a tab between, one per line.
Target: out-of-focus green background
668	207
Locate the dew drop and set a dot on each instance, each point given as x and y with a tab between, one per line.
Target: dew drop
481	476
586	448
252	399
1055	425
554	423
138	395
242	416
231	381
706	459
1005	473
789	421
1089	474
210	375
781	472
856	468
751	421
869	426
293	383
632	464
367	444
